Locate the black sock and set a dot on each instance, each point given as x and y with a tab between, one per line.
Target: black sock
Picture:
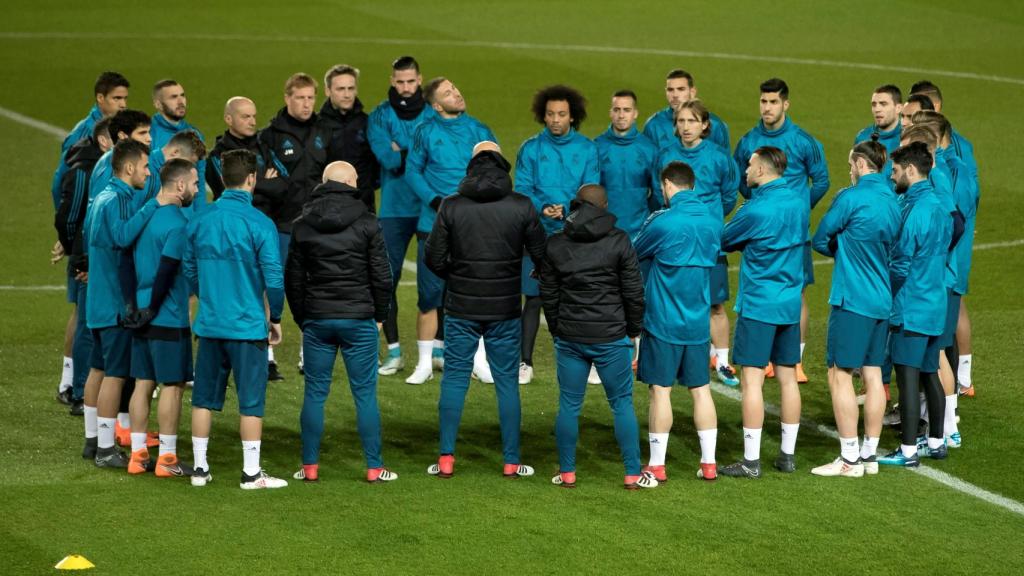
907	378
126	394
531	325
936	400
439	336
391	322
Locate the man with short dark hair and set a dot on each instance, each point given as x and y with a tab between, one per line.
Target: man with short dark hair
886	105
771	231
338	283
915	103
806	171
625	159
171	106
391	127
343	115
441	149
185	145
110	228
550	168
161	340
476	245
232	262
682	242
594	302
660	127
919	302
859	230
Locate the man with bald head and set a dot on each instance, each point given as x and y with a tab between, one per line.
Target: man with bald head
240	117
593	299
477	244
338	285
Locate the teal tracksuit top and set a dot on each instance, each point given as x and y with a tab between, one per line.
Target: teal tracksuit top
661	130
770	229
231	258
437	161
550	169
682	242
917	272
716	175
864	220
626	173
163	237
397	199
805	158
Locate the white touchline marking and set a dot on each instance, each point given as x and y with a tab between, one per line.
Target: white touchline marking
513	46
50	129
937	475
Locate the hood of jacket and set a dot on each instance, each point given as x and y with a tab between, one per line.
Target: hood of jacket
332	115
85	152
487	177
333	207
588	223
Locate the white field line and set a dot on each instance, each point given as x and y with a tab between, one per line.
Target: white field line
513	46
937	475
55	131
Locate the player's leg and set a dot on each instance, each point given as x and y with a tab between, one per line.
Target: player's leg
658	366
694	375
251	383
720	324
786	357
965	357
530	320
116	350
208	390
429	290
752	348
847	343
174	368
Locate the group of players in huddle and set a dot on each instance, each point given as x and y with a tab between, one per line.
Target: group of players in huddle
620	240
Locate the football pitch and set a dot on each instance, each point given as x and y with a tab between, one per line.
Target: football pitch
962	515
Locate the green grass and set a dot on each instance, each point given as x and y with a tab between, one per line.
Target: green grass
53	504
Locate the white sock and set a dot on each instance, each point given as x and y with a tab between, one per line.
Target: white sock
848	449
302	358
935	443
90	421
138	441
438	344
199	446
708	440
802	345
424	348
963	370
722	354
480	357
869	447
908	451
394	346
168	444
711	348
105	432
270	353
66	374
788	442
751	444
124	420
659	446
251	457
949	422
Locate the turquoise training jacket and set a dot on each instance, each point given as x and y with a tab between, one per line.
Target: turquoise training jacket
716	175
660	129
770	229
683	242
231	259
626	173
805	158
163	236
965	194
550	169
397	198
864	221
112	225
888	138
437	161
161	130
917	273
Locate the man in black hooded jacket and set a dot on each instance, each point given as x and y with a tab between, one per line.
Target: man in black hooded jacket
477	246
593	299
338	285
342	114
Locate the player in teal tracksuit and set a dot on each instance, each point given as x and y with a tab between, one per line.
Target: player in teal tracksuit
859	230
233	262
660	127
626	160
441	148
169	121
717	182
918	276
771	230
391	127
683	243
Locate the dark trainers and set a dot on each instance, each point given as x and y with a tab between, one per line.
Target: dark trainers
273	374
896	458
939	453
785	463
110	458
89	450
65	396
742	469
77	408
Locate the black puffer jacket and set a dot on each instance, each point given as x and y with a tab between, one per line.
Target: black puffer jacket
337	264
226	142
298	151
74	193
590	281
478	241
349	143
